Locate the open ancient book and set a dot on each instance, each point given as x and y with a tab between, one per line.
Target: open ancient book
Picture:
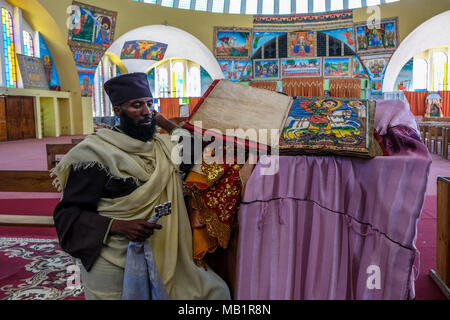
294	126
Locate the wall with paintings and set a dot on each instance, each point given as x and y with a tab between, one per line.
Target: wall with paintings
50	18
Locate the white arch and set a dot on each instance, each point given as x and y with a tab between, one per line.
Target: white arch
180	44
432	33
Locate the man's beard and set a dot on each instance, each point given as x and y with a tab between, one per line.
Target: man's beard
137	131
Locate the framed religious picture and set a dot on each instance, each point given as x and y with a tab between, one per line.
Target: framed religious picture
32	72
236	70
376	87
143	49
92	25
232	43
377	37
358	70
337	67
376	64
302	44
266	69
345	35
330	126
301	67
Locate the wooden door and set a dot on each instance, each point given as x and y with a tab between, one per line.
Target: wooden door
28	125
13	118
3	132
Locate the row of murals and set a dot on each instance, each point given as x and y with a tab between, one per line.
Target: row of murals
372	45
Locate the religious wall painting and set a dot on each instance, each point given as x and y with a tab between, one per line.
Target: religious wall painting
86	55
302	44
32	72
337	67
92	25
301	67
328	125
143	49
51	74
86	77
376	87
375	65
244	69
232	42
345	35
378	37
261	38
405	77
266	69
358	70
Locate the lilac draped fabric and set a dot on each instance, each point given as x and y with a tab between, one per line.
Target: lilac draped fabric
321	226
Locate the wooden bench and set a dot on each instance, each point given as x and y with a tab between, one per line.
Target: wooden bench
54	149
442	274
26	181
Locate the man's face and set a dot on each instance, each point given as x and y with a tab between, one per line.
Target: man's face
136	118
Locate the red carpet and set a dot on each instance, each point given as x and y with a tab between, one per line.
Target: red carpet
35	269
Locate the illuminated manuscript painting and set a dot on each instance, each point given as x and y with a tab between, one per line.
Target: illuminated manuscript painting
378	37
232	42
329	125
337	67
143	49
302	44
301	67
266	69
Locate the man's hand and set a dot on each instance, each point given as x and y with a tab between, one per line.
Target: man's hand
134	230
163	122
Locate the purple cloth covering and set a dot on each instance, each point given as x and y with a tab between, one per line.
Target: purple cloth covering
312	230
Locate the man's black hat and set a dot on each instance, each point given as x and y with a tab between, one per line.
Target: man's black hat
127	87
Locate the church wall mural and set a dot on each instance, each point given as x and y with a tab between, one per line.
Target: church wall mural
91	35
352	50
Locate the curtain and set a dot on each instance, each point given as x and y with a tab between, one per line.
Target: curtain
268	85
345	88
193	103
303	87
417	102
445	103
170	107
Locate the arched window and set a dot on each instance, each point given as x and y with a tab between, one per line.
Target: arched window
194	82
420	74
178	80
9	49
28	46
163	83
336	5
235	6
440	65
301	6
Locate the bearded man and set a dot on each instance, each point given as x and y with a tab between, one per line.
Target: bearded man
111	183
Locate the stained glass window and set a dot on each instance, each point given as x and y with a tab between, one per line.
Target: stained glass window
28	46
251	7
285	7
336	5
9	48
420	74
178	80
319	6
268	7
163	83
167	3
352	4
195	89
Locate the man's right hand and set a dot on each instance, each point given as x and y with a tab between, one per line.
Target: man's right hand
134	230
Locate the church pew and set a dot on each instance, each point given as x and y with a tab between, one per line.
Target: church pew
441	276
26	181
54	149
